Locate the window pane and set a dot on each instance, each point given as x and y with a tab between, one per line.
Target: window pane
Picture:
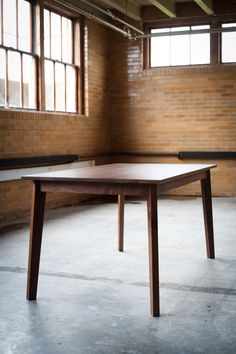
60	86
0	21
200	46
9	23
2	77
55	36
180	47
228	44
24	25
29	81
49	85
160	48
46	33
70	89
66	40
14	79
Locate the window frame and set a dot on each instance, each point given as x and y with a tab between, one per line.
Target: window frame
74	63
215	39
221	54
21	52
172	28
37	52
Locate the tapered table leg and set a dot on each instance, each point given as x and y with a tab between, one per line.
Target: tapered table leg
208	219
36	227
153	251
121	202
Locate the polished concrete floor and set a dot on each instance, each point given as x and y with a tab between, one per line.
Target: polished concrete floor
93	299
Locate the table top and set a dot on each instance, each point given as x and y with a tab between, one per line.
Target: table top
124	173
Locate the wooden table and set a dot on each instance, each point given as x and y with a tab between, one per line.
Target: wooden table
143	180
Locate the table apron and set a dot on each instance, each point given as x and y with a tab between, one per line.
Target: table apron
164	187
95	188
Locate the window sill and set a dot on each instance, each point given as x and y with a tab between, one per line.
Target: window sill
36	112
166	70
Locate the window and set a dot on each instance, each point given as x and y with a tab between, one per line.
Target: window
228	44
59	71
18	64
38	71
182	49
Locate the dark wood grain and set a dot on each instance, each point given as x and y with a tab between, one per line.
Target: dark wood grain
180	181
97	188
36	228
125	173
121	201
208	218
153	251
148	180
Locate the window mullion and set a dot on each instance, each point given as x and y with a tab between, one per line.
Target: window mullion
54	84
41	57
215	44
22	80
65	88
79	61
61	35
1	21
17	26
7	85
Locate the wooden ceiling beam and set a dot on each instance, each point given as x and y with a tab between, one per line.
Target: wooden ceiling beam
125	7
206	6
166	6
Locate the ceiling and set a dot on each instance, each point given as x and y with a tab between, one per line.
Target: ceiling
133	8
128	16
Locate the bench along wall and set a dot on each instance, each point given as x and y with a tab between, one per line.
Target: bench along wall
34	133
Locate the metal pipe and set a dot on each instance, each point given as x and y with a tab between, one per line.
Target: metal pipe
95	18
114	17
187	32
126	33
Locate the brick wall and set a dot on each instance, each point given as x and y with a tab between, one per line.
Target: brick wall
173	109
128	109
34	133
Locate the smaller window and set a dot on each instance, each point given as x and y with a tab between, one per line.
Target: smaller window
228	44
182	49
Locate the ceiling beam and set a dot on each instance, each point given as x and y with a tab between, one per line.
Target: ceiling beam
206	6
125	7
166	6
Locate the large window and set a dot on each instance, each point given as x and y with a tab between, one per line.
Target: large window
38	71
179	49
18	64
60	73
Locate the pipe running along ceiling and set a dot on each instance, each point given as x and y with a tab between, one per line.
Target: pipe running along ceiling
128	30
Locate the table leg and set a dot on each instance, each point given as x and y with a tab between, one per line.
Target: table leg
121	202
36	227
153	251
208	219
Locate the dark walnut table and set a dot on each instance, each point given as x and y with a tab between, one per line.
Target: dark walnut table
143	180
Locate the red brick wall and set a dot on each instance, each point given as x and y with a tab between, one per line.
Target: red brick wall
34	133
173	109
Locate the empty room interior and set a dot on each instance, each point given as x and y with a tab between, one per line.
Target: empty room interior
117	176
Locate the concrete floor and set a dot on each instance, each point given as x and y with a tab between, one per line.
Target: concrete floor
93	299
